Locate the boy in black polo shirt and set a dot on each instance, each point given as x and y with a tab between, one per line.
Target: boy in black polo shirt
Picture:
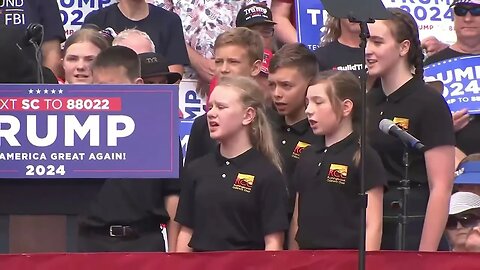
290	72
238	52
126	214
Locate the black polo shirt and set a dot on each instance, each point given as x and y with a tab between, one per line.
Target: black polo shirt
328	184
232	204
290	141
199	142
420	110
467	138
131	201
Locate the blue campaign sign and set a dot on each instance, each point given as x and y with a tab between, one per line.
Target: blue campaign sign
310	18
184	129
460	77
89	131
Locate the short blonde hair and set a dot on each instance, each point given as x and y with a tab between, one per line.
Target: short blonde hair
243	37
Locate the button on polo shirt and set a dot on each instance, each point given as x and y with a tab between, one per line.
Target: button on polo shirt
232	203
418	109
328	183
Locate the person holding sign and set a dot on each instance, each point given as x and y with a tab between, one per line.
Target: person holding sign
327	178
240	201
393	52
80	51
126	213
284	13
467	27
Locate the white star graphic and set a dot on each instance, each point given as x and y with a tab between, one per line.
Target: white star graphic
30	91
45	91
53	91
38	91
60	91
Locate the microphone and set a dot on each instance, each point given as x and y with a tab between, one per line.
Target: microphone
33	35
390	128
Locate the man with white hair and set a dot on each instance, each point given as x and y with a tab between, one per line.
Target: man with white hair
136	40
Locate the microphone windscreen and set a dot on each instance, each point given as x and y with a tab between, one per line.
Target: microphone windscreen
385	125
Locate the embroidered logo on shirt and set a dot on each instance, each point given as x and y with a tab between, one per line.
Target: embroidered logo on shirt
299	148
244	182
337	174
401	122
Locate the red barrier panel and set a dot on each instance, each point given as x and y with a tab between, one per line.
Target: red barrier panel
249	260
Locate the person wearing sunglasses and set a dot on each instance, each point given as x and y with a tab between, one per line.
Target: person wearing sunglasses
258	17
464	214
467	28
463	210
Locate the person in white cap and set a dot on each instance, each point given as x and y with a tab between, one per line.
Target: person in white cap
464	214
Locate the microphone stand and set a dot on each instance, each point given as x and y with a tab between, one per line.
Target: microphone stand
364	35
403	215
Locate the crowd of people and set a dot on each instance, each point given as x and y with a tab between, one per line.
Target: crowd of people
275	162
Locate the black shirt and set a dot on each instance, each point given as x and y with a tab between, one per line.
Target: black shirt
290	142
44	12
419	109
164	28
199	142
335	55
128	201
328	184
444	54
232	204
468	138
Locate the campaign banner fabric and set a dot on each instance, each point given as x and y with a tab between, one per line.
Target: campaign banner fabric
461	79
434	18
310	17
89	131
192	106
73	12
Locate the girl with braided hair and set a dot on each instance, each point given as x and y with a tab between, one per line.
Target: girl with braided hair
394	54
